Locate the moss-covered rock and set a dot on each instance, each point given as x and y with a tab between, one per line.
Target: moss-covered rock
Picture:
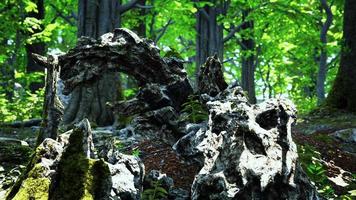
79	176
34	183
70	171
35	186
82	178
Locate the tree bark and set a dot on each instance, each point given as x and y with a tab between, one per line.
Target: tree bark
209	40
52	106
343	93
248	57
320	84
89	101
36	47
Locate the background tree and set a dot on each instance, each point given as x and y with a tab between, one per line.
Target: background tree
323	67
343	93
285	54
36	45
209	40
248	56
95	19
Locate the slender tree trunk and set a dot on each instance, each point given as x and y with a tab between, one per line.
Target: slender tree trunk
140	29
343	93
95	18
320	84
209	39
36	47
248	57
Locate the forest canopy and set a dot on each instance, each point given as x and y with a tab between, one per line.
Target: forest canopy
273	48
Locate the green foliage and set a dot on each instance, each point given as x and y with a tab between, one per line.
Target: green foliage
24	105
287	34
136	152
129	93
316	171
155	193
193	110
310	160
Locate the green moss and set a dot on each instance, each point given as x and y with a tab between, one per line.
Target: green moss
101	180
80	177
35	186
72	170
33	189
33	171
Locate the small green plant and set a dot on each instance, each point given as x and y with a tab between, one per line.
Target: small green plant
311	162
118	144
129	93
155	193
193	110
136	153
316	171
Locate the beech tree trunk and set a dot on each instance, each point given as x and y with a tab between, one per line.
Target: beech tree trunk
248	57
323	65
343	93
95	18
36	47
209	40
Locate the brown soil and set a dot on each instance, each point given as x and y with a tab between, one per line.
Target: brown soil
160	156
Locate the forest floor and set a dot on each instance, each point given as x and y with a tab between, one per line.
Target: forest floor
316	131
332	135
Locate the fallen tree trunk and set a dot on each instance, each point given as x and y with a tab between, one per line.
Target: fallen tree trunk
125	52
21	124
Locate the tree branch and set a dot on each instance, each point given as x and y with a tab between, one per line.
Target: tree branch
144	6
164	29
328	22
65	18
232	32
125	7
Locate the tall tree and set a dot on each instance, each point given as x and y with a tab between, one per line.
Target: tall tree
343	92
248	56
94	19
140	29
323	66
209	39
37	47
